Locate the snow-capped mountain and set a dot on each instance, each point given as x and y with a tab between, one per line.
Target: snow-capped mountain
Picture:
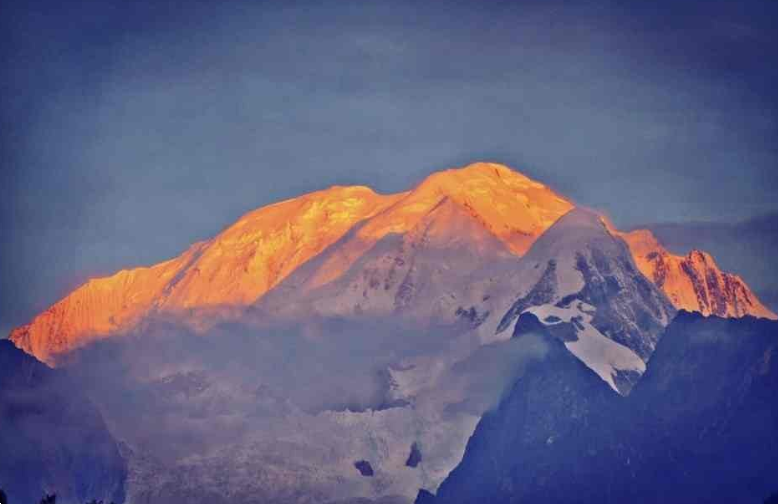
348	250
229	271
313	348
578	278
505	210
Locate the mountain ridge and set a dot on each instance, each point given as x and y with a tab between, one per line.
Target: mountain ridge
264	249
693	282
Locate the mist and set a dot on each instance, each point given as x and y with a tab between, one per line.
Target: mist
286	394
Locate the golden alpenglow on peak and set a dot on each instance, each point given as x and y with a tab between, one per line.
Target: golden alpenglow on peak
693	282
514	207
234	268
508	205
485	211
265	245
99	308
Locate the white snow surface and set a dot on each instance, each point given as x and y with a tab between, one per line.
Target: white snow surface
602	355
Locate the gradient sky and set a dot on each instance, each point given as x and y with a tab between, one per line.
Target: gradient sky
129	130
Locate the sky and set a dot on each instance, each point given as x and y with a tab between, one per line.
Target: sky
129	130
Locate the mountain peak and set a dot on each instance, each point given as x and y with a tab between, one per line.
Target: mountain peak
580	219
589	274
489	169
513	207
693	282
480	175
573	230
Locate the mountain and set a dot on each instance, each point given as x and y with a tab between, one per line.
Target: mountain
232	269
698	427
350	251
747	247
694	282
238	266
283	414
315	346
372	407
53	438
579	281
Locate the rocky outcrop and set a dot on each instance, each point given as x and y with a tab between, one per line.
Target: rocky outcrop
364	468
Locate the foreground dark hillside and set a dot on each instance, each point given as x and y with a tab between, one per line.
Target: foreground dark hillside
53	439
701	426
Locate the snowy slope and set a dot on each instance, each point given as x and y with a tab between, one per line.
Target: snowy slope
582	278
609	359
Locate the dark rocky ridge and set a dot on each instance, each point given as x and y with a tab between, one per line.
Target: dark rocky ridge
700	426
52	438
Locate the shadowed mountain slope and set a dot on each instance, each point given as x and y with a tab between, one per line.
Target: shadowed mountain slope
699	427
53	438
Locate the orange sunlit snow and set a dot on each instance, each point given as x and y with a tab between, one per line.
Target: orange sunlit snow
484	204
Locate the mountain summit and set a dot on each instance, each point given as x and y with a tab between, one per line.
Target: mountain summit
351	251
694	282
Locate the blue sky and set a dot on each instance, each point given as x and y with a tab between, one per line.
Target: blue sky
130	129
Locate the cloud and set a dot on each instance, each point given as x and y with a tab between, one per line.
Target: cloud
173	393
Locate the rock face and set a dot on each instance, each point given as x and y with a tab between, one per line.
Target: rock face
694	282
699	427
53	439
